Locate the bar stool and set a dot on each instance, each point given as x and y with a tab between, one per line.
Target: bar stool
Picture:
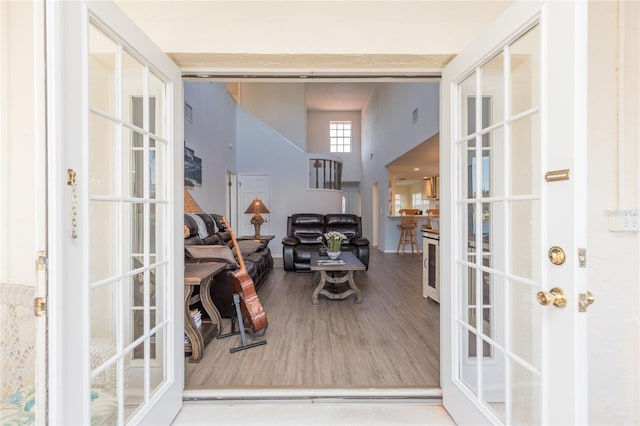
408	227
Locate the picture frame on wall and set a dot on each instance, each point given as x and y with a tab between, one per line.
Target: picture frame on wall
192	168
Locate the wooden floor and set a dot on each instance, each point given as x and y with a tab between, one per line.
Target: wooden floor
391	339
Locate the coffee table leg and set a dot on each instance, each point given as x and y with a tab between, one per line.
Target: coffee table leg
320	286
355	288
325	278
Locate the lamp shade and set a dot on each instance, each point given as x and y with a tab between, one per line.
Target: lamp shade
257	206
190	205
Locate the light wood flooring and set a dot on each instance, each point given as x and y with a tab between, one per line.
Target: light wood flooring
391	339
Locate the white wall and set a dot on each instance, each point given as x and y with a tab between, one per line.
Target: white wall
265	152
613	258
318	140
280	105
212	135
22	153
387	133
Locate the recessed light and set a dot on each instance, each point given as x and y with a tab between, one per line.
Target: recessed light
416	168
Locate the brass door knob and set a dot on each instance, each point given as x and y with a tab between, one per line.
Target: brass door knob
554	296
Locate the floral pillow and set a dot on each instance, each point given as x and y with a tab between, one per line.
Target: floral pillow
20	408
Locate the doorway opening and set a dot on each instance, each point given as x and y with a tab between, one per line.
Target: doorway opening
392	346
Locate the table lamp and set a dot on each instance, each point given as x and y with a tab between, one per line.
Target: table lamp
256	207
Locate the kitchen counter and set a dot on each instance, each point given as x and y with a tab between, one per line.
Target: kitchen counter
435	232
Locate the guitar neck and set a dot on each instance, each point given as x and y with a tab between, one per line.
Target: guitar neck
235	245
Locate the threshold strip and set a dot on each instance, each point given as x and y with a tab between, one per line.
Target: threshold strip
416	395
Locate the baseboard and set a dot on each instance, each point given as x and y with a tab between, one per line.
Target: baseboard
278	262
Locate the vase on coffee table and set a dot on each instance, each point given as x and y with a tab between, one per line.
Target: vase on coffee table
333	254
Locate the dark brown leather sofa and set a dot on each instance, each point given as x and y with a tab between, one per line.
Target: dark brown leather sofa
303	230
256	255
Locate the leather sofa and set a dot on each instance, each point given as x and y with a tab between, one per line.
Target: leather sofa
256	255
303	230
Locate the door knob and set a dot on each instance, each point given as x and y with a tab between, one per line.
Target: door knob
555	296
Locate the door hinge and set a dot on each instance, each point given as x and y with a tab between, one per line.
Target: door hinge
40	306
584	300
41	261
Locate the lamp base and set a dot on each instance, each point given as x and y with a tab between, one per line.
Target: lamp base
257	230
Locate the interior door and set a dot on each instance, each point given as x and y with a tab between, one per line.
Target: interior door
251	187
115	130
513	140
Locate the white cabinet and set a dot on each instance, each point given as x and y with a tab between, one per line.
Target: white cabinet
430	271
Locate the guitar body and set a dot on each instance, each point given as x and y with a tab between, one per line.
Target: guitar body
253	315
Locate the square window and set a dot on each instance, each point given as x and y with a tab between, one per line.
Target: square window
340	136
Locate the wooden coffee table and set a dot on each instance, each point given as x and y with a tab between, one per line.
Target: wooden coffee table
336	275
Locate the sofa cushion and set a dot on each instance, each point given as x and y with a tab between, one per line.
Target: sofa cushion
213	252
250	246
191	224
307	220
348	224
306	237
349	220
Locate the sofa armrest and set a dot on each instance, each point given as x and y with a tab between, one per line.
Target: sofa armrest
290	241
360	241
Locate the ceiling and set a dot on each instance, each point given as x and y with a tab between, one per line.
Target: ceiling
425	157
337	96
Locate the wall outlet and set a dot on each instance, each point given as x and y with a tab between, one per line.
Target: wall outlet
624	220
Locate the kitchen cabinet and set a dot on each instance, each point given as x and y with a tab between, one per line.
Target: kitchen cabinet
430	260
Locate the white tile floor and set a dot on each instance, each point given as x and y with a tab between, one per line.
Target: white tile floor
311	414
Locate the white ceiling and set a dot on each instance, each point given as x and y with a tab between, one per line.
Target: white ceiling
424	157
337	96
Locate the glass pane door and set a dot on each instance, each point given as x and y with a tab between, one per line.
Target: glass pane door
128	253
498	213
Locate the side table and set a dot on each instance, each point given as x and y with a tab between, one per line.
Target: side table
258	238
200	275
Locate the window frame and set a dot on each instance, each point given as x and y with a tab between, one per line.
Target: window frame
337	141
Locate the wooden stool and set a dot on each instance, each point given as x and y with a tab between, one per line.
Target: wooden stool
408	235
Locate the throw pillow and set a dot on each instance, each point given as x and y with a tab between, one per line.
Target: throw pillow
214	252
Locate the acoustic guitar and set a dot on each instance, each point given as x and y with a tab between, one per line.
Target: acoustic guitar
253	316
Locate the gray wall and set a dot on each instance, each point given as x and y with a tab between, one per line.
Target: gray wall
318	140
263	151
212	135
387	133
280	105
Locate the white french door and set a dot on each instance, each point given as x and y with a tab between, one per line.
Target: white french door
513	140
115	192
